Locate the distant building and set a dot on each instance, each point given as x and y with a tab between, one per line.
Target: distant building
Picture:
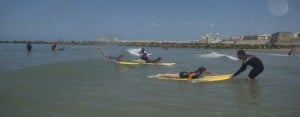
257	37
285	38
252	39
235	38
210	38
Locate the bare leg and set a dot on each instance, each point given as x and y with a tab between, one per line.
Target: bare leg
169	75
249	79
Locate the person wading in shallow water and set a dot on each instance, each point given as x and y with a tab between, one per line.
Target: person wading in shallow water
292	51
28	45
252	61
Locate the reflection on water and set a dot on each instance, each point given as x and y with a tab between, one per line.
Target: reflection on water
126	68
254	89
247	92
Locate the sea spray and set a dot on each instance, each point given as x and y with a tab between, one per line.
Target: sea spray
217	55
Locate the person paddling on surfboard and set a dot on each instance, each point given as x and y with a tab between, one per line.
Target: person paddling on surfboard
145	58
142	51
251	60
190	75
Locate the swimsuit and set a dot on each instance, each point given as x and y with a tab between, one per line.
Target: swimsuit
185	74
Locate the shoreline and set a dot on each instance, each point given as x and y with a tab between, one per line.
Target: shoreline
166	45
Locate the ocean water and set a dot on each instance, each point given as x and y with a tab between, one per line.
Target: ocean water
79	82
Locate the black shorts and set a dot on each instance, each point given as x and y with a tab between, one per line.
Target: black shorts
255	72
184	74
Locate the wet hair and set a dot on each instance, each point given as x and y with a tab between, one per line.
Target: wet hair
201	69
241	52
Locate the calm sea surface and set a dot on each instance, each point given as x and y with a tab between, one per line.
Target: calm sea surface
79	82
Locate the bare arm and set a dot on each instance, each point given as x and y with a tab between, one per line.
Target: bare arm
209	73
191	75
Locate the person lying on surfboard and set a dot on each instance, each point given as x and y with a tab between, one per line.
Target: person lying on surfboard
145	58
190	75
112	58
116	59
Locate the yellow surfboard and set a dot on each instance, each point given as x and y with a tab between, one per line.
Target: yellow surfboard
160	63
202	79
128	63
166	64
135	63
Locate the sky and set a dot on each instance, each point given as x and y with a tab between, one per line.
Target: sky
173	20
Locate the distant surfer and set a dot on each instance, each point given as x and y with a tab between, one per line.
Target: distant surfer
28	45
190	75
251	60
53	46
292	51
112	58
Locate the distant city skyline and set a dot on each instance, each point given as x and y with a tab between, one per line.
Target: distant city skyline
170	20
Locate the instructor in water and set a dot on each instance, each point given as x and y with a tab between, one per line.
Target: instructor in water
251	60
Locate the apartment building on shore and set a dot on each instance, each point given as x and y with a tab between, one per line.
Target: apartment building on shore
285	38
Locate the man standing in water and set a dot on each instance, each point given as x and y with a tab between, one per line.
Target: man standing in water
28	45
53	46
292	51
251	60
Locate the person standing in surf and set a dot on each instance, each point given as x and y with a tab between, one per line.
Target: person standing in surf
292	51
252	61
29	47
53	46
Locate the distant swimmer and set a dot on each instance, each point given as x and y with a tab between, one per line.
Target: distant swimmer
292	51
53	46
146	59
251	60
28	45
190	75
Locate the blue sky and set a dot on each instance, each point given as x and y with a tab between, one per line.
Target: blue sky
144	19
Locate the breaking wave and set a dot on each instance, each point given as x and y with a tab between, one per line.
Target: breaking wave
217	55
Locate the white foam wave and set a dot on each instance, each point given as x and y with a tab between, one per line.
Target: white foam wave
278	54
135	51
218	55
